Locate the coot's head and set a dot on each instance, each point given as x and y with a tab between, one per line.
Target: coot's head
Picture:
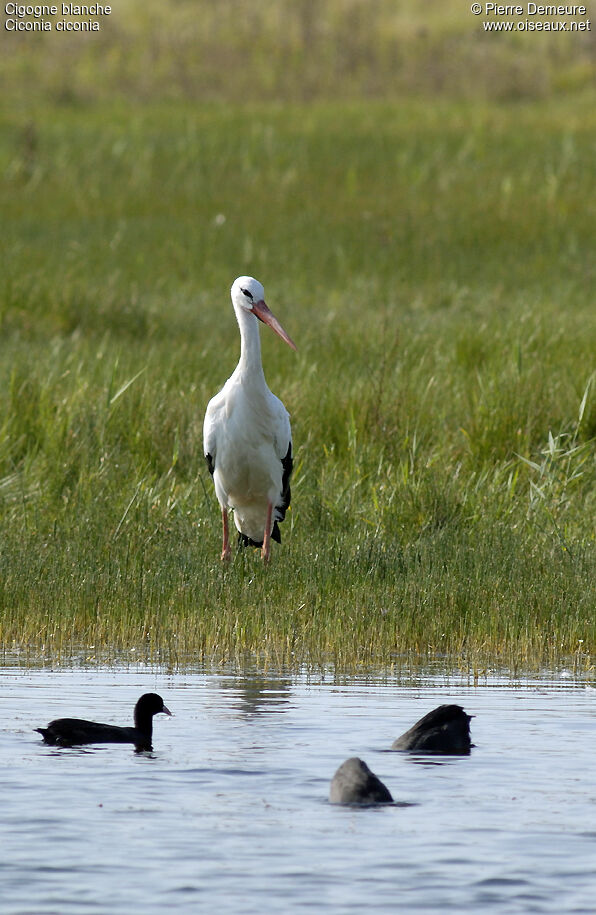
150	704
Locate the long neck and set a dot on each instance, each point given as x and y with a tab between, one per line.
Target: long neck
250	364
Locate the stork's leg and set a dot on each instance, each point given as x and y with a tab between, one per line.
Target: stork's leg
266	548
226	553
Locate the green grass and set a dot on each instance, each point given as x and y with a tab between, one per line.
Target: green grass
292	50
432	259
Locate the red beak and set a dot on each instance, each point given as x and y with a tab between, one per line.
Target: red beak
267	317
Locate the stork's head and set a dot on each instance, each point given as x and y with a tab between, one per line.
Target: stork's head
248	295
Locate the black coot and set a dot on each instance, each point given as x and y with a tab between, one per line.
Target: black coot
444	730
73	732
354	783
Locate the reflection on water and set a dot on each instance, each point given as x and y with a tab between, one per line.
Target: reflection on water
253	694
430	760
230	813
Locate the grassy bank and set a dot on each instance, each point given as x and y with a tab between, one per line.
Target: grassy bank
434	263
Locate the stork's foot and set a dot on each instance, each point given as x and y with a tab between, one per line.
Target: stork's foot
226	554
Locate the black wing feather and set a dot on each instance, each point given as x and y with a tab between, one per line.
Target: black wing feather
286	492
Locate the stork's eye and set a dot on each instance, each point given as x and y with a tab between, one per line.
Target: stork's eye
247	294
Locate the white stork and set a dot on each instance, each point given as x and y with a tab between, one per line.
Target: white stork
247	438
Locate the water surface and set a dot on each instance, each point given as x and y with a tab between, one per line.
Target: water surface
229	814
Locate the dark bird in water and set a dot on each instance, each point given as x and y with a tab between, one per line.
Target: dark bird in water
354	783
74	732
444	730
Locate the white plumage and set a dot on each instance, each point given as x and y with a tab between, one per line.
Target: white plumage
247	438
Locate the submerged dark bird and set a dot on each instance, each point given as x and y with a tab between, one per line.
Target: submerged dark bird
444	730
354	783
74	732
